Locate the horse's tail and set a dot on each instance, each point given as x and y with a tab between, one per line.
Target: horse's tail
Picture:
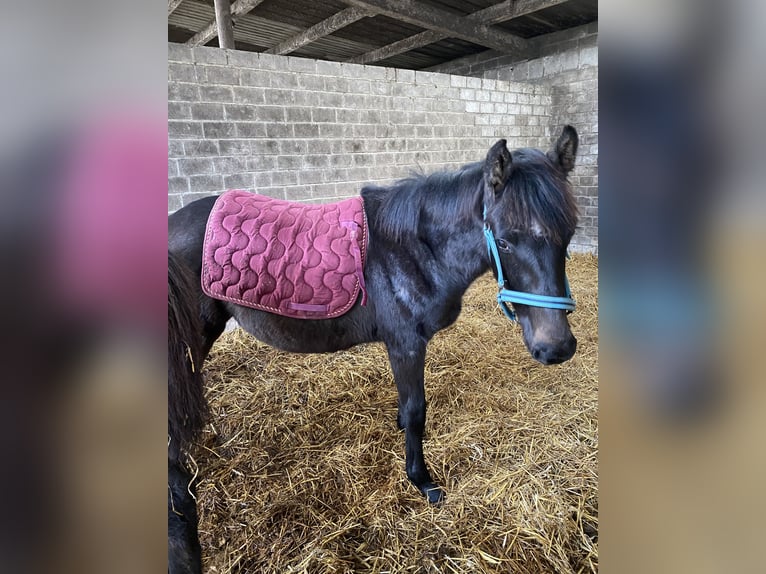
187	407
184	552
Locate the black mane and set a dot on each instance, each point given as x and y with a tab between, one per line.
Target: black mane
536	193
444	196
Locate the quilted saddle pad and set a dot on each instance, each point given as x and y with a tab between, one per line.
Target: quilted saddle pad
298	260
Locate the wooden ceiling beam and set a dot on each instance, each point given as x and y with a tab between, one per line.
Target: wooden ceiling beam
321	29
432	18
541	20
507	10
396	48
210	31
172	5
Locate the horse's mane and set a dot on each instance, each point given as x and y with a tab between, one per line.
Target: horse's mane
446	196
536	195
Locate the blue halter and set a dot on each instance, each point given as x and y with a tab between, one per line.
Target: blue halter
505	296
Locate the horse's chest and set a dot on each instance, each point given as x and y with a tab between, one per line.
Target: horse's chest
450	311
435	318
420	300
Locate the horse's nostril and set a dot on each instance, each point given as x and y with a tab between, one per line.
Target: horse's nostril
541	353
572	347
549	354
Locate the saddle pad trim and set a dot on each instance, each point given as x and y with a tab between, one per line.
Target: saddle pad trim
307	307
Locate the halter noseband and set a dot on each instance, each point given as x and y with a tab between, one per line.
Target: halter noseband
505	296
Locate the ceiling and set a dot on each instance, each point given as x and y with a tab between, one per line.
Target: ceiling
413	34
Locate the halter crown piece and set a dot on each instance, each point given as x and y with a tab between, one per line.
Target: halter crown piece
505	296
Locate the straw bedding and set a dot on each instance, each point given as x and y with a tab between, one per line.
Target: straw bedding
302	466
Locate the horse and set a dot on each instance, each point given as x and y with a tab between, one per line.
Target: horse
430	237
187	412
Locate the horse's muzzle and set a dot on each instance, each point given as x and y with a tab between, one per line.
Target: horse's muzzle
551	353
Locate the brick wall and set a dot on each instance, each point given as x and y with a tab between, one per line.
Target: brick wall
566	64
310	130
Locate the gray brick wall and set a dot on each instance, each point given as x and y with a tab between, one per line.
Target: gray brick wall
566	64
310	130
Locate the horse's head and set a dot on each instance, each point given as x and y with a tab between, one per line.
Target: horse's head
530	210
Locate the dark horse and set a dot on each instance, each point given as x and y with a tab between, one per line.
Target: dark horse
187	410
427	245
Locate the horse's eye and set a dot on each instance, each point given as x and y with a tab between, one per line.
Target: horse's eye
503	245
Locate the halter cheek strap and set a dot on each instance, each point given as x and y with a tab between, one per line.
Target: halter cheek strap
505	296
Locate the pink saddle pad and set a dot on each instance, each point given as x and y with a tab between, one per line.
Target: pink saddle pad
298	260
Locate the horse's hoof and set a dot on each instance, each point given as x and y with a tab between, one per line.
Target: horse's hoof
433	493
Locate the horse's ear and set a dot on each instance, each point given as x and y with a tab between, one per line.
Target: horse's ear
497	168
565	150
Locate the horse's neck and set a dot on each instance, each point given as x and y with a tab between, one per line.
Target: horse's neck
464	257
462	254
456	253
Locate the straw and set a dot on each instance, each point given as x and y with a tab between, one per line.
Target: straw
302	466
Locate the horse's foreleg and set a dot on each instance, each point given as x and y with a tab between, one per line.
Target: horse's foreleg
408	366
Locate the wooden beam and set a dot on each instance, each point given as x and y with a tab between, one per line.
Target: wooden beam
239	8
172	5
404	45
432	18
495	14
224	24
541	20
502	13
323	28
